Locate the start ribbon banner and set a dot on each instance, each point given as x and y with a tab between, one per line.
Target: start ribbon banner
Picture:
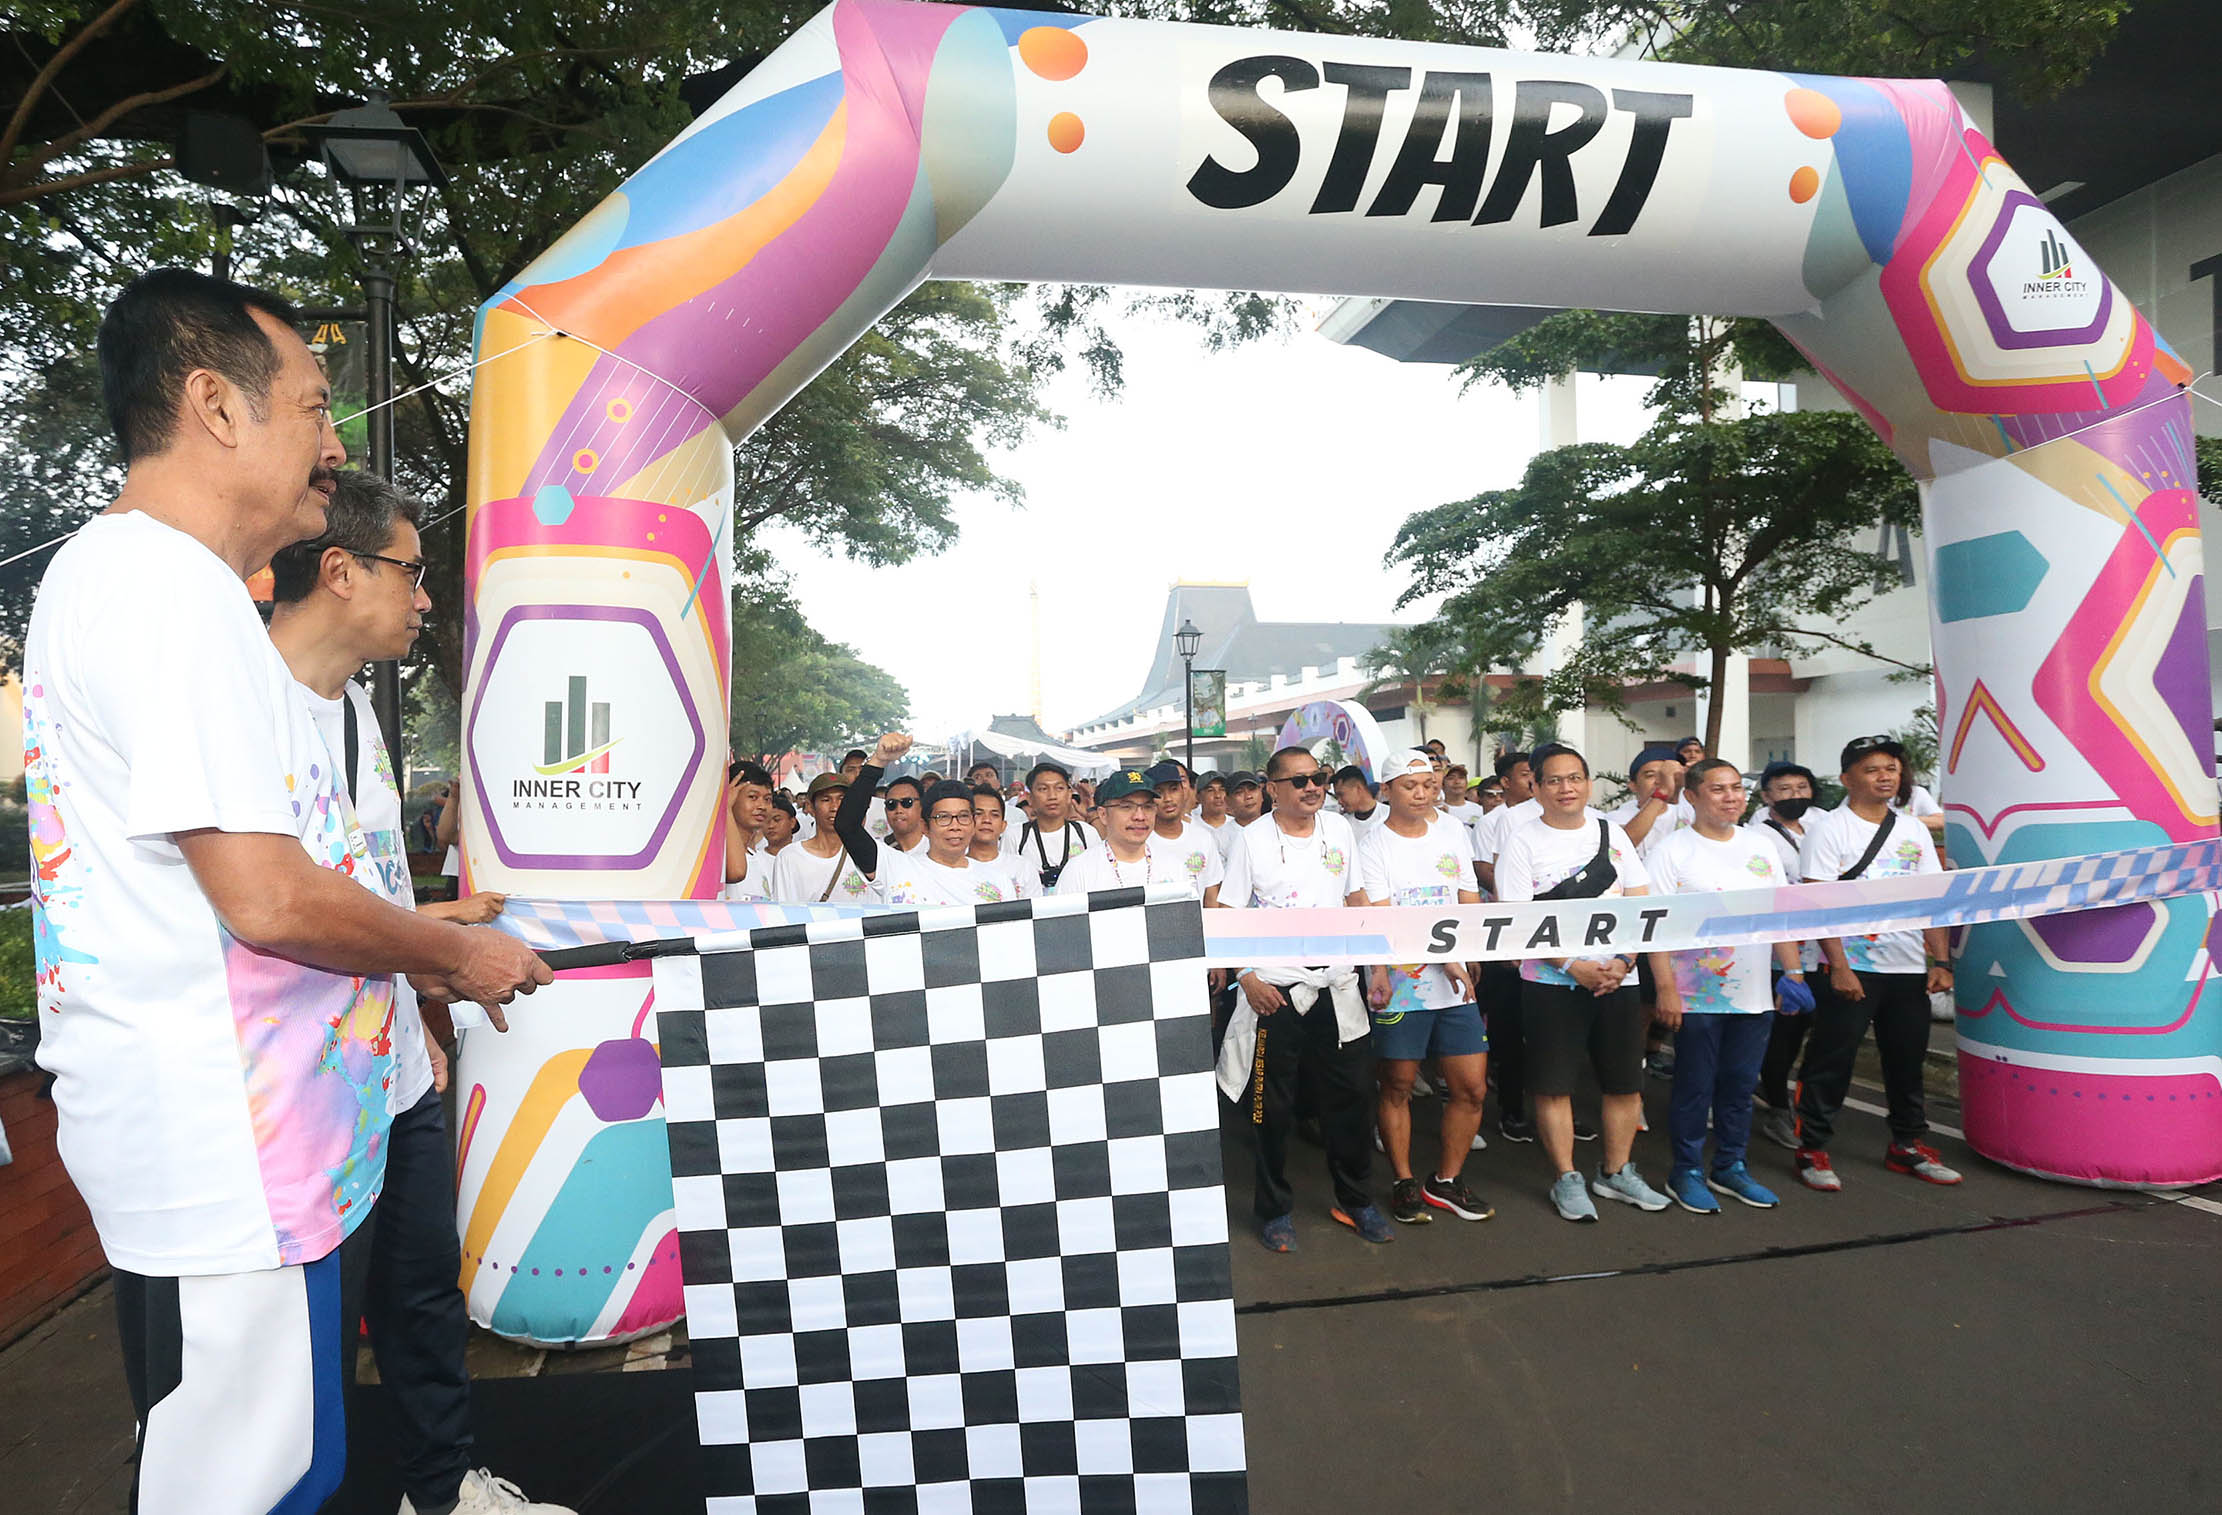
1478	933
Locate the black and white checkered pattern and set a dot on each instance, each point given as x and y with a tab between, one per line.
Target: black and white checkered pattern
950	1212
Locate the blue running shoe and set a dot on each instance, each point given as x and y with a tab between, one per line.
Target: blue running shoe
1279	1234
1736	1183
1572	1199
1687	1185
1367	1221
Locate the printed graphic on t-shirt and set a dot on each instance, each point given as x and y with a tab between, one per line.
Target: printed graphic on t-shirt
55	888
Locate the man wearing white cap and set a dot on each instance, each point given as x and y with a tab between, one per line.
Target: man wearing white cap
1420	855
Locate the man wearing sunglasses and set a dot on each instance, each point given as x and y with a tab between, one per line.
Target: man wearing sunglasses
1301	1025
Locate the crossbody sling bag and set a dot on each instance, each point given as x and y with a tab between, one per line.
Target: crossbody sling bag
1593	878
1874	846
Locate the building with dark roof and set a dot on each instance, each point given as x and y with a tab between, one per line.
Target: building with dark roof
1250	650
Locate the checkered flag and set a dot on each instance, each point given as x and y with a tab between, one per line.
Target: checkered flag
950	1212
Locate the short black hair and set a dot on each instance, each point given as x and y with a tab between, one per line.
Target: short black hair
168	322
1706	765
360	519
1273	763
1349	772
782	800
1435	745
983	763
990	792
752	773
854	752
888	789
1033	774
946	789
1775	771
1507	761
1549	750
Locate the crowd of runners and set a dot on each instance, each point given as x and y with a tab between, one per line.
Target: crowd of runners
1337	1054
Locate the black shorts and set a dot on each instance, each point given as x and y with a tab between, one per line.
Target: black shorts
1562	1027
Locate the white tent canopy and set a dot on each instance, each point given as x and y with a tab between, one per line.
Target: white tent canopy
1084	764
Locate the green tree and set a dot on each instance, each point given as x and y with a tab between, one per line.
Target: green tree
794	691
1700	540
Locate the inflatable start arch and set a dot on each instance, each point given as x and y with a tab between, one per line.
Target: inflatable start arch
887	143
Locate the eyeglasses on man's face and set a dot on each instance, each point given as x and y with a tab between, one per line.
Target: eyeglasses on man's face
415	570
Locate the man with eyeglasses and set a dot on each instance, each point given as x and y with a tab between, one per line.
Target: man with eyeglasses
1307	1025
1130	857
355	595
943	872
1884	979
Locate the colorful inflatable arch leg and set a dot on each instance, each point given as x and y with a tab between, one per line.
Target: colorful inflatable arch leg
887	143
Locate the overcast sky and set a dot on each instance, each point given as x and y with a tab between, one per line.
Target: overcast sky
1288	465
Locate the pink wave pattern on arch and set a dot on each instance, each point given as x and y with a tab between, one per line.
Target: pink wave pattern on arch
787	261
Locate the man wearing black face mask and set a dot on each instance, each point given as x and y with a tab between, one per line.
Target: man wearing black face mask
1786	793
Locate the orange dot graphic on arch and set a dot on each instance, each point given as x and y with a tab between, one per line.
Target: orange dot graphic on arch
1813	113
1805	184
619	409
585	461
1052	51
1065	132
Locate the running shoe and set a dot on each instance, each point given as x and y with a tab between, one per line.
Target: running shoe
1367	1221
1583	1130
1781	1128
1660	1064
1687	1185
1516	1130
1421	1088
1572	1199
1279	1234
1480	1143
1815	1173
1922	1161
1736	1182
1408	1203
1628	1187
1378	1144
1452	1194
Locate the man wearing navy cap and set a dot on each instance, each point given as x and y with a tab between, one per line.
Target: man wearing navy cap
1188	847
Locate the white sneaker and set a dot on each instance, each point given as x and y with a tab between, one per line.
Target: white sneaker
1480	1143
482	1492
1942	1010
1421	1088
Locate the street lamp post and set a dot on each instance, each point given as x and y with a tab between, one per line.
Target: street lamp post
379	161
1185	642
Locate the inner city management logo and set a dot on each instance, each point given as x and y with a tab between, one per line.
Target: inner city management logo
576	740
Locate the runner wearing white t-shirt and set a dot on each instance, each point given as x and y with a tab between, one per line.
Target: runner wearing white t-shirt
818	870
1578	1009
989	820
941	872
1885	978
354	595
216	999
1419	857
1720	999
1191	850
1654	804
1053	834
1129	857
1300	1022
1361	805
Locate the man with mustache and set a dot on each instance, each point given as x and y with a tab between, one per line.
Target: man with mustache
217	988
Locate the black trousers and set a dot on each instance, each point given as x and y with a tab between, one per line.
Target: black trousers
1785	1039
1498	992
1897	1005
418	1321
1297	1054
